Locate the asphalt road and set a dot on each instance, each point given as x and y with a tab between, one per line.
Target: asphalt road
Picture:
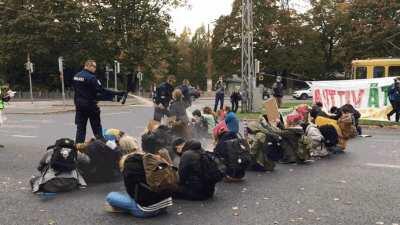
359	187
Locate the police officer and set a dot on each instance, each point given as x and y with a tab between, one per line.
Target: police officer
88	91
163	97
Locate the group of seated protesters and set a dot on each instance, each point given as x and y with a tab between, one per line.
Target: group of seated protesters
172	163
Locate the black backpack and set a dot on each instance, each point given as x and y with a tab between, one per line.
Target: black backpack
273	147
213	170
64	157
237	158
330	135
103	166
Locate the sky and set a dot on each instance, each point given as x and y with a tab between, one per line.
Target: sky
205	11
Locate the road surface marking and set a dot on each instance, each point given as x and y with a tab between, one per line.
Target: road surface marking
383	165
116	113
23	136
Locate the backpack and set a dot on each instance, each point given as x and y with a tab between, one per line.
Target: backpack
330	135
64	157
161	174
237	158
273	147
103	165
346	124
304	148
212	168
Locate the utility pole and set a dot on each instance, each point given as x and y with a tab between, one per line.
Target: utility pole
108	70
29	68
247	65
61	69
209	61
116	71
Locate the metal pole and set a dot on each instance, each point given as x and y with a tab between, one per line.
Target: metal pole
29	67
115	76
60	65
107	76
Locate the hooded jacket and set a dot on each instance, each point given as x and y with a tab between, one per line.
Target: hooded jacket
192	186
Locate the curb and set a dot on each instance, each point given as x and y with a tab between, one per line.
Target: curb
41	113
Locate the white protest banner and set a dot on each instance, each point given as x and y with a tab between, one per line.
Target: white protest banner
367	95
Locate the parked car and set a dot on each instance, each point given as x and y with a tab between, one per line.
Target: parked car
303	94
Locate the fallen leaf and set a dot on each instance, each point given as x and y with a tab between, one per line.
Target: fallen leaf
236	214
244	206
342	181
302	189
52	222
292	220
348	203
298	202
179	213
257	203
291	170
395	224
266	198
336	199
318	219
43	210
300	218
380	223
235	208
311	211
276	222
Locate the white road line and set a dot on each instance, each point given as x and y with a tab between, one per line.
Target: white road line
23	136
116	113
383	165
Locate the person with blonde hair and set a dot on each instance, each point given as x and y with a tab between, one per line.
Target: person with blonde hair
177	110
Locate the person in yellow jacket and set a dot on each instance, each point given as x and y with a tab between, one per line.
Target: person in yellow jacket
321	121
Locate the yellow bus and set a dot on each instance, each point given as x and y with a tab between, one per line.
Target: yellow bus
375	68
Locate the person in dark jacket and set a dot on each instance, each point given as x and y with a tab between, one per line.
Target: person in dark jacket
177	108
219	94
140	201
163	97
185	89
156	137
88	91
221	150
235	98
394	98
191	183
277	90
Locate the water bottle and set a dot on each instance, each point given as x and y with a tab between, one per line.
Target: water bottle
245	133
47	195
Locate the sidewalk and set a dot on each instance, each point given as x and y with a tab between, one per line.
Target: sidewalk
57	106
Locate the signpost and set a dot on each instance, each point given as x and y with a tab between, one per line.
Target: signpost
61	69
117	70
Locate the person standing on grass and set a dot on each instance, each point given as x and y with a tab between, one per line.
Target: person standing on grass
277	90
219	94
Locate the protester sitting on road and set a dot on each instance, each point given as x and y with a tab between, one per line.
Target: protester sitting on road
176	153
141	200
229	150
193	179
292	142
177	108
231	120
199	125
156	137
58	168
209	116
104	158
321	121
318	146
